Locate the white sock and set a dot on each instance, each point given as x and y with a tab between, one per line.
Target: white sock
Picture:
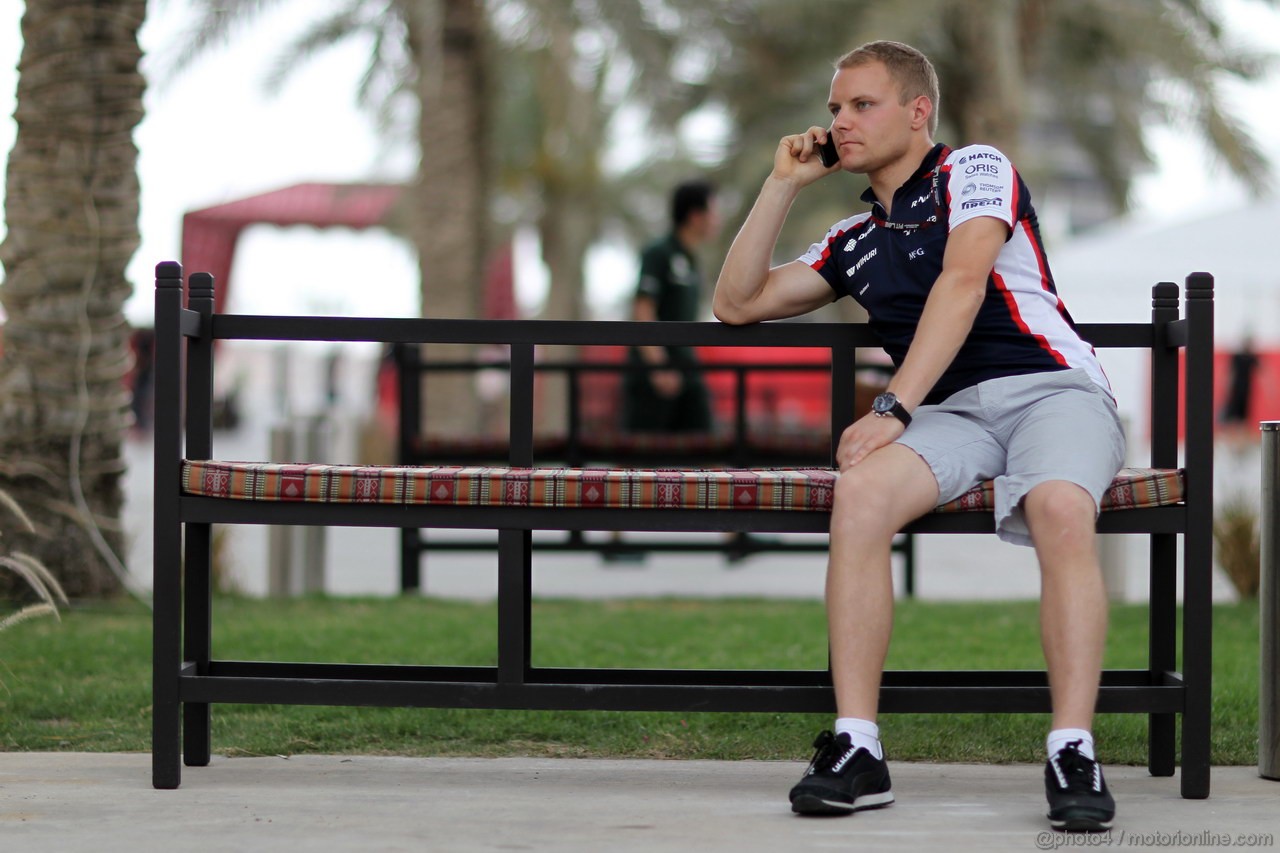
1058	738
863	733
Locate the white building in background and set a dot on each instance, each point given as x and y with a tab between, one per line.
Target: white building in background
1106	276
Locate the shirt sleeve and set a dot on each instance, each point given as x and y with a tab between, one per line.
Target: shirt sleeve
655	268
982	182
822	257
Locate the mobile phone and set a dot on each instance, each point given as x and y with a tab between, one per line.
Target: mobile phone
827	151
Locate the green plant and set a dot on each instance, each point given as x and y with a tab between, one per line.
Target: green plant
1236	534
46	586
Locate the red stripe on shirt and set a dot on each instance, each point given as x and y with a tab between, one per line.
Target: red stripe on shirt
826	252
1016	316
1043	265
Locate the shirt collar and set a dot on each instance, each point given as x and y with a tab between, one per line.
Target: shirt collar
931	160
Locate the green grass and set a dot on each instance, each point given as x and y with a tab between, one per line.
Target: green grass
84	683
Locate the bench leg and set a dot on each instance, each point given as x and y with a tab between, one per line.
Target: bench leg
166	653
410	560
1197	659
1162	651
198	638
908	551
515	591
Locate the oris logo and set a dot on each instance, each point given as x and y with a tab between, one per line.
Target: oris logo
853	241
981	169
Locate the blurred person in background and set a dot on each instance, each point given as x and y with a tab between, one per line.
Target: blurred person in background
663	389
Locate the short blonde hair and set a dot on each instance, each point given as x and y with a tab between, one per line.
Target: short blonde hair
909	68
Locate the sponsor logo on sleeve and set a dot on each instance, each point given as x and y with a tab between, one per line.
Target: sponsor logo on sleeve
975	203
862	260
981	155
991	188
981	169
969	189
853	241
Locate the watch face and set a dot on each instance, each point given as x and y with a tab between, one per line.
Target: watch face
883	403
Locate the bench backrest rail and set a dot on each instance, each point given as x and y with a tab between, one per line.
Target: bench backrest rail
1163	337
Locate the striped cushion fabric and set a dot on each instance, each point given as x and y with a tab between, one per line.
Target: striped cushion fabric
786	489
611	488
1133	488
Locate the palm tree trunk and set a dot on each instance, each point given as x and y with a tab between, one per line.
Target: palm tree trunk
986	99
448	202
72	213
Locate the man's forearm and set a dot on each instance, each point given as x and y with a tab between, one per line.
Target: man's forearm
948	317
746	267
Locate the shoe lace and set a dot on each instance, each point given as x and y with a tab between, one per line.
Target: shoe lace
828	751
1077	772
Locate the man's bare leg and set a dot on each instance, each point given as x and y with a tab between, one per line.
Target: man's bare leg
1073	598
873	501
1073	628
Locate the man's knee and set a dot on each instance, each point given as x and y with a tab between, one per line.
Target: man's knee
858	502
881	494
1058	509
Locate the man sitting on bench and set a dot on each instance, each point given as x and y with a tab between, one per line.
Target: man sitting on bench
993	382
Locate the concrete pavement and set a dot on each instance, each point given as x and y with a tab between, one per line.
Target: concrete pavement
104	803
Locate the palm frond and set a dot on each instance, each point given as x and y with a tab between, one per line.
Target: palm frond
321	35
47	578
33	579
1232	145
28	613
7	501
216	24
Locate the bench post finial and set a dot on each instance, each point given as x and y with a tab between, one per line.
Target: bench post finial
168	274
1164	295
201	285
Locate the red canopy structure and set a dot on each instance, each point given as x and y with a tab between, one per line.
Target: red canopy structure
210	235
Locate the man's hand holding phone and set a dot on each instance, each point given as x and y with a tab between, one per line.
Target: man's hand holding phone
827	151
805	157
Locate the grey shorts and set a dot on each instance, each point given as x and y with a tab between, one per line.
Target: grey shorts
1020	431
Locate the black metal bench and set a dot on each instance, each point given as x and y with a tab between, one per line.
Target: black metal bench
188	681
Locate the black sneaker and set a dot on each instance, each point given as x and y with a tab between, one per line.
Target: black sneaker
841	779
1078	797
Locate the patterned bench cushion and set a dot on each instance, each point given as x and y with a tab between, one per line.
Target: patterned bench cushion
794	489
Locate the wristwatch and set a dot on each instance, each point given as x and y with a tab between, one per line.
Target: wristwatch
886	405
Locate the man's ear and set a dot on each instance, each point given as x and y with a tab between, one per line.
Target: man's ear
921	109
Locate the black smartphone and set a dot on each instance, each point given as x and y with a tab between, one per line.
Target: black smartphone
827	151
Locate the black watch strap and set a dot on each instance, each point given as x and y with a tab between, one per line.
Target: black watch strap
887	404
